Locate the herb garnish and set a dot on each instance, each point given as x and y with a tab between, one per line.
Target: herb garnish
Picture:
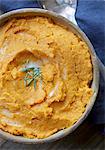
33	73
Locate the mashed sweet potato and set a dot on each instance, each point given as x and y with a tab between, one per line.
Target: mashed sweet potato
38	104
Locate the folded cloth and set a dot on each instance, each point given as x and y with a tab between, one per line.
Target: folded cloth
90	16
8	5
91	19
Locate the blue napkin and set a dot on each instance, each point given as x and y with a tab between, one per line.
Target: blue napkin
8	5
90	16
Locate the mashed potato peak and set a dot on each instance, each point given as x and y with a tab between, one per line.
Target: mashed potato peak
38	107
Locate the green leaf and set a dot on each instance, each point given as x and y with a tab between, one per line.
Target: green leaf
34	83
29	81
32	72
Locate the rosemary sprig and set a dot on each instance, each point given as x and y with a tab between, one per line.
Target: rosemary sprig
32	75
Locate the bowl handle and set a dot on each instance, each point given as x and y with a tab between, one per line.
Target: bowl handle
65	8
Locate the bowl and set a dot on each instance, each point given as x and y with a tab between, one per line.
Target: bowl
95	82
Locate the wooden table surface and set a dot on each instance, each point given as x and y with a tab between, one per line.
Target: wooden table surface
85	137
